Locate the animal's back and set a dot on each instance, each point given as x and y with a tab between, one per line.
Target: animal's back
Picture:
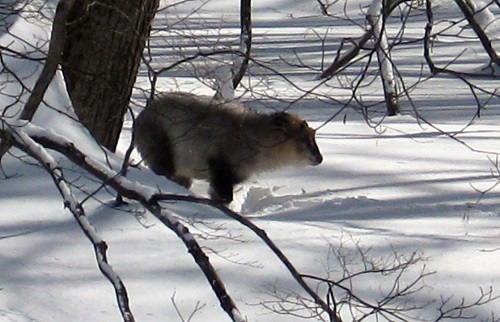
191	130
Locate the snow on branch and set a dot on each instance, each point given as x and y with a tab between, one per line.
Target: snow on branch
22	140
35	140
150	199
377	22
478	16
299	278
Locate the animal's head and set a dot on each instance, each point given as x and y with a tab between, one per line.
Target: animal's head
300	142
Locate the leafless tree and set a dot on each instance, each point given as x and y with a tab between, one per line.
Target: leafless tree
100	59
353	51
349	268
328	298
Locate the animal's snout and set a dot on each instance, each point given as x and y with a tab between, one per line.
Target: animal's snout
316	158
314	155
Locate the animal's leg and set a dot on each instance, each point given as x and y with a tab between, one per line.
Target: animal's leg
183	181
157	151
222	180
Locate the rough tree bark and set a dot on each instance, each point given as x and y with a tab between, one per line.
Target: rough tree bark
101	58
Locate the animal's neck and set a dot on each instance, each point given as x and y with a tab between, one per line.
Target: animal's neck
273	156
268	146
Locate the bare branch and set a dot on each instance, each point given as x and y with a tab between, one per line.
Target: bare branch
269	243
57	42
245	39
56	46
145	195
149	199
469	14
342	61
376	17
23	141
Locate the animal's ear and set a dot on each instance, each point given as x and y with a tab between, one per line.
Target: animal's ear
281	120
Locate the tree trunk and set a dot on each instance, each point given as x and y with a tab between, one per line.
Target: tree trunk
376	18
473	15
101	58
245	41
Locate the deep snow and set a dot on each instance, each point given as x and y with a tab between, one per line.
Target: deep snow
401	186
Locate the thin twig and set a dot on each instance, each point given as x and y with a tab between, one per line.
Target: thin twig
23	141
135	191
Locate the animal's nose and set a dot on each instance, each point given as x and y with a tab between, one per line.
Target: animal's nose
316	158
320	158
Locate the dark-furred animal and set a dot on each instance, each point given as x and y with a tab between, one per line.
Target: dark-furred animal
183	136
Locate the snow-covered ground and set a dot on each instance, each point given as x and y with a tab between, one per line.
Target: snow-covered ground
401	187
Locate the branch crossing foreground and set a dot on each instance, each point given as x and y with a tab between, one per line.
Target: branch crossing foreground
35	141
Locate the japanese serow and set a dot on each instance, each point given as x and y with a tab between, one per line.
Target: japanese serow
182	136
